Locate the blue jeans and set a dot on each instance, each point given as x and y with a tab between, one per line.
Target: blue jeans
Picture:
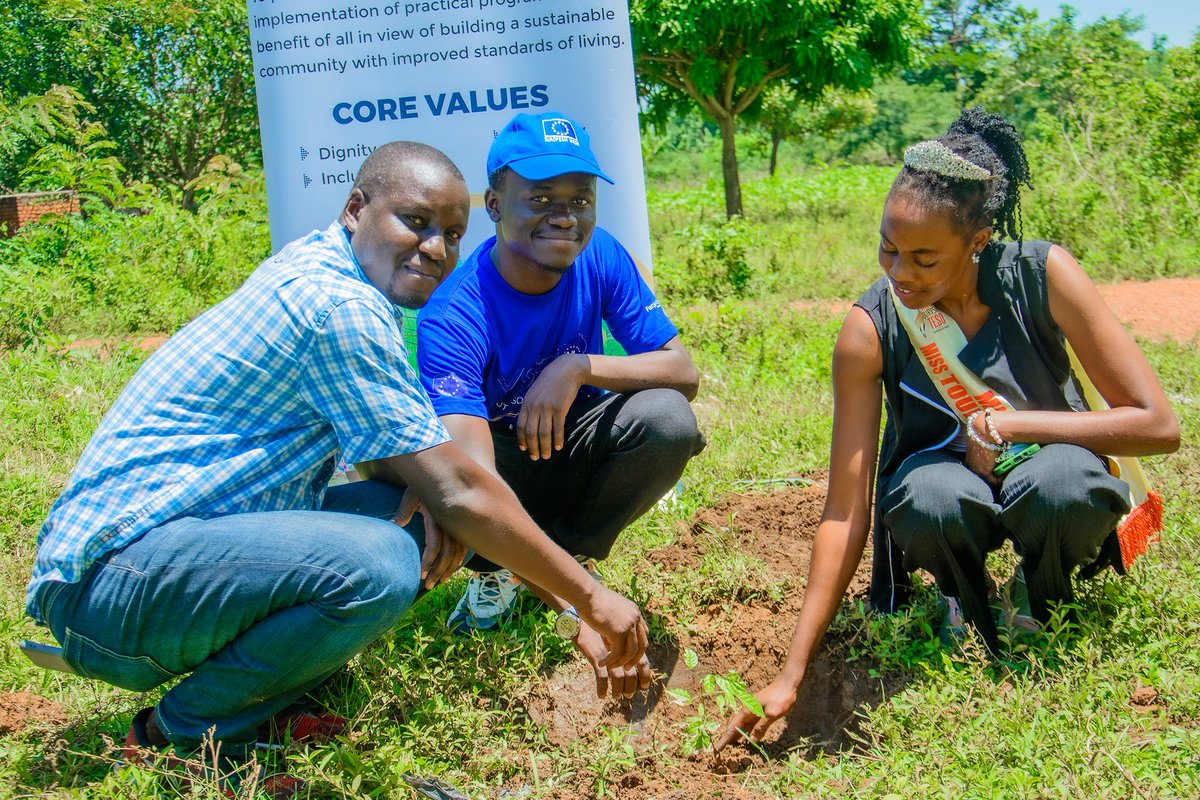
254	609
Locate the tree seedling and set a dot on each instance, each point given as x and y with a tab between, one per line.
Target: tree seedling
720	693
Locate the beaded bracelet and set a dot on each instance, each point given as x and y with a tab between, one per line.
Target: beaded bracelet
991	428
977	439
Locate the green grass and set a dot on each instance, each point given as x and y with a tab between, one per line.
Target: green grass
1052	720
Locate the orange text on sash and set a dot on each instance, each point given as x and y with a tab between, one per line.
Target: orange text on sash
964	401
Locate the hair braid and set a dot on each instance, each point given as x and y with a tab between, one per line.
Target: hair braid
989	141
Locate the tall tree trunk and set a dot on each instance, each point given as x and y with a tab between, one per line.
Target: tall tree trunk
729	166
776	138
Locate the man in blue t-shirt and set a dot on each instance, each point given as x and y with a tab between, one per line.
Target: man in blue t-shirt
511	353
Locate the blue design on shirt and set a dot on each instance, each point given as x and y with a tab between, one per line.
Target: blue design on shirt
481	344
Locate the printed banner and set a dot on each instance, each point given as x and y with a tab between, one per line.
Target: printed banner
336	80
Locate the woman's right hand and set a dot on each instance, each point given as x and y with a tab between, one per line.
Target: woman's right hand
979	459
777	698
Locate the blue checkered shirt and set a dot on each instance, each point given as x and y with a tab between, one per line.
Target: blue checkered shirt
246	408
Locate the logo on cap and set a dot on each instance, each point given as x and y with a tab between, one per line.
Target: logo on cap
557	129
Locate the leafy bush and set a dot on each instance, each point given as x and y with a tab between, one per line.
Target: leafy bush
49	142
124	271
714	262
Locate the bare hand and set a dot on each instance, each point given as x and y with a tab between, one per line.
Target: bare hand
619	623
776	699
443	553
621	681
981	462
541	425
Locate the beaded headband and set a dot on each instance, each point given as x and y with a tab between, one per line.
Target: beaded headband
933	156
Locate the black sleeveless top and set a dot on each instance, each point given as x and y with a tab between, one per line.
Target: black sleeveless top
1019	353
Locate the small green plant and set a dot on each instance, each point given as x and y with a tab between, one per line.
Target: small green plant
720	693
614	755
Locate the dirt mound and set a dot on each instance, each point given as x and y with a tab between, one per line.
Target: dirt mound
748	634
21	710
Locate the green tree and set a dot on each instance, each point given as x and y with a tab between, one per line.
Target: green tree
1112	142
783	116
176	89
958	46
1046	69
904	113
722	54
170	81
35	49
1176	142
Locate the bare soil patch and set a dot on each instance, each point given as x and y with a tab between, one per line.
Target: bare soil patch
749	636
1158	310
21	710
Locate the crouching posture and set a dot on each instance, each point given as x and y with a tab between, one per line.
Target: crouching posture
955	477
196	536
511	351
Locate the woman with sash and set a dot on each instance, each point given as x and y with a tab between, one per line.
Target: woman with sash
966	340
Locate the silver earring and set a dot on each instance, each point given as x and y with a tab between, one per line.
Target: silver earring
974	258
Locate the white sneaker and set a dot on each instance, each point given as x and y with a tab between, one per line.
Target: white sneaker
489	598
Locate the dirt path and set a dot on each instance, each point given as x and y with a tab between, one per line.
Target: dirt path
1157	310
1154	310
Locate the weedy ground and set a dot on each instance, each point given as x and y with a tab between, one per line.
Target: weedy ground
1105	706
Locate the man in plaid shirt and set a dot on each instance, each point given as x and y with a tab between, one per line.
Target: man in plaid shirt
196	536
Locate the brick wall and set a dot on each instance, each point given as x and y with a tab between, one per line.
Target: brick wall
17	210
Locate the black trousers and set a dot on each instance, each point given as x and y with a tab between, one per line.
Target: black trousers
1057	508
622	453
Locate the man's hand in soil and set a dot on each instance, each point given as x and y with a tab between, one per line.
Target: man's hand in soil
776	699
541	424
443	554
620	681
619	623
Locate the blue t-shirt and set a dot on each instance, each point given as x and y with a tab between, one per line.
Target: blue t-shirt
481	343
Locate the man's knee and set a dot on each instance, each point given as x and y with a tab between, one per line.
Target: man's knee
381	572
667	420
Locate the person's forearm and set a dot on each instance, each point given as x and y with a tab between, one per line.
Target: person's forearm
669	369
481	512
1117	431
552	600
489	519
835	557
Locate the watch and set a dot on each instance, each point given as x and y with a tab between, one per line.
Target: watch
567	624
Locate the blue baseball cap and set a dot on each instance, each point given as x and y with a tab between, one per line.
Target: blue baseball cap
543	146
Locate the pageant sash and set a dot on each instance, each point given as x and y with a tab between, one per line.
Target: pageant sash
1141	526
938	340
